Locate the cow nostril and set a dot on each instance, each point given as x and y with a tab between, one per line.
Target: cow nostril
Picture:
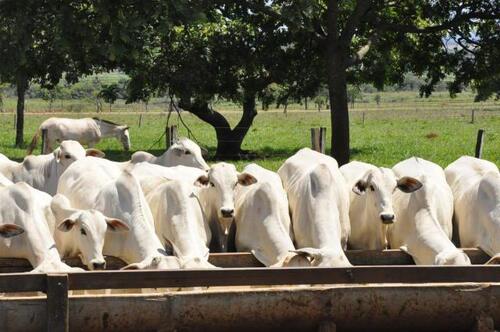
99	266
227	212
387	218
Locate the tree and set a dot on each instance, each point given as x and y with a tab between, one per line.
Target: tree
109	94
42	39
378	41
234	54
30	48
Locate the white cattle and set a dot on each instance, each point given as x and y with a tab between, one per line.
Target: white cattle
319	205
183	152
217	199
81	232
180	222
151	175
43	172
370	208
24	232
423	216
267	176
263	223
476	189
87	131
91	183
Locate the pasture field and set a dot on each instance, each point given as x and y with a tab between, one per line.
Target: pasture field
386	137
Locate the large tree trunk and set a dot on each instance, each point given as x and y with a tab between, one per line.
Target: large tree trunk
337	87
229	140
22	85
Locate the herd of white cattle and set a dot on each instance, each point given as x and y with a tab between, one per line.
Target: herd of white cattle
170	211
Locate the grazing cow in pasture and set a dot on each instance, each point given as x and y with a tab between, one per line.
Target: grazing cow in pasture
476	190
24	232
424	216
370	208
319	205
180	222
217	199
87	131
263	224
81	232
91	183
43	172
183	152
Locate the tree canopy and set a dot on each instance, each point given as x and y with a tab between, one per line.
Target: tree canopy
201	50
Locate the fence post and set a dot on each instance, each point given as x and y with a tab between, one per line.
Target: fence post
140	120
171	135
57	303
473	113
363	119
479	143
318	138
44	141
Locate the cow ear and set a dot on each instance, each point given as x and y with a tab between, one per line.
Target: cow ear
408	184
202	181
360	187
10	230
116	225
95	153
246	179
66	225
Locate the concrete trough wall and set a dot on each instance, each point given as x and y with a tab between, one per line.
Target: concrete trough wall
431	307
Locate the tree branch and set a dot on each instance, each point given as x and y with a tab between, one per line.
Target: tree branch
454	22
362	7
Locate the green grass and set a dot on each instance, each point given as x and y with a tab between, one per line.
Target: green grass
386	137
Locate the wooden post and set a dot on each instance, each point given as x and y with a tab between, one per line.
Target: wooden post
140	120
57	303
44	141
479	143
318	138
363	119
473	113
171	135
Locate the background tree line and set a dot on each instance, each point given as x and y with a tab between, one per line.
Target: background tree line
247	51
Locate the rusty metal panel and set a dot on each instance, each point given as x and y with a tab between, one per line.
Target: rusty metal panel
351	307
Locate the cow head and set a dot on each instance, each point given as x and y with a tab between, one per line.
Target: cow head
88	229
10	230
70	151
187	153
378	186
124	137
221	180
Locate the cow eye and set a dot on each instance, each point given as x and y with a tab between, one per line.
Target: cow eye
372	188
83	232
67	156
187	152
212	184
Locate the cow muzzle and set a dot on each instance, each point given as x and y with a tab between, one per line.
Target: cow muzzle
227	212
98	265
387	218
